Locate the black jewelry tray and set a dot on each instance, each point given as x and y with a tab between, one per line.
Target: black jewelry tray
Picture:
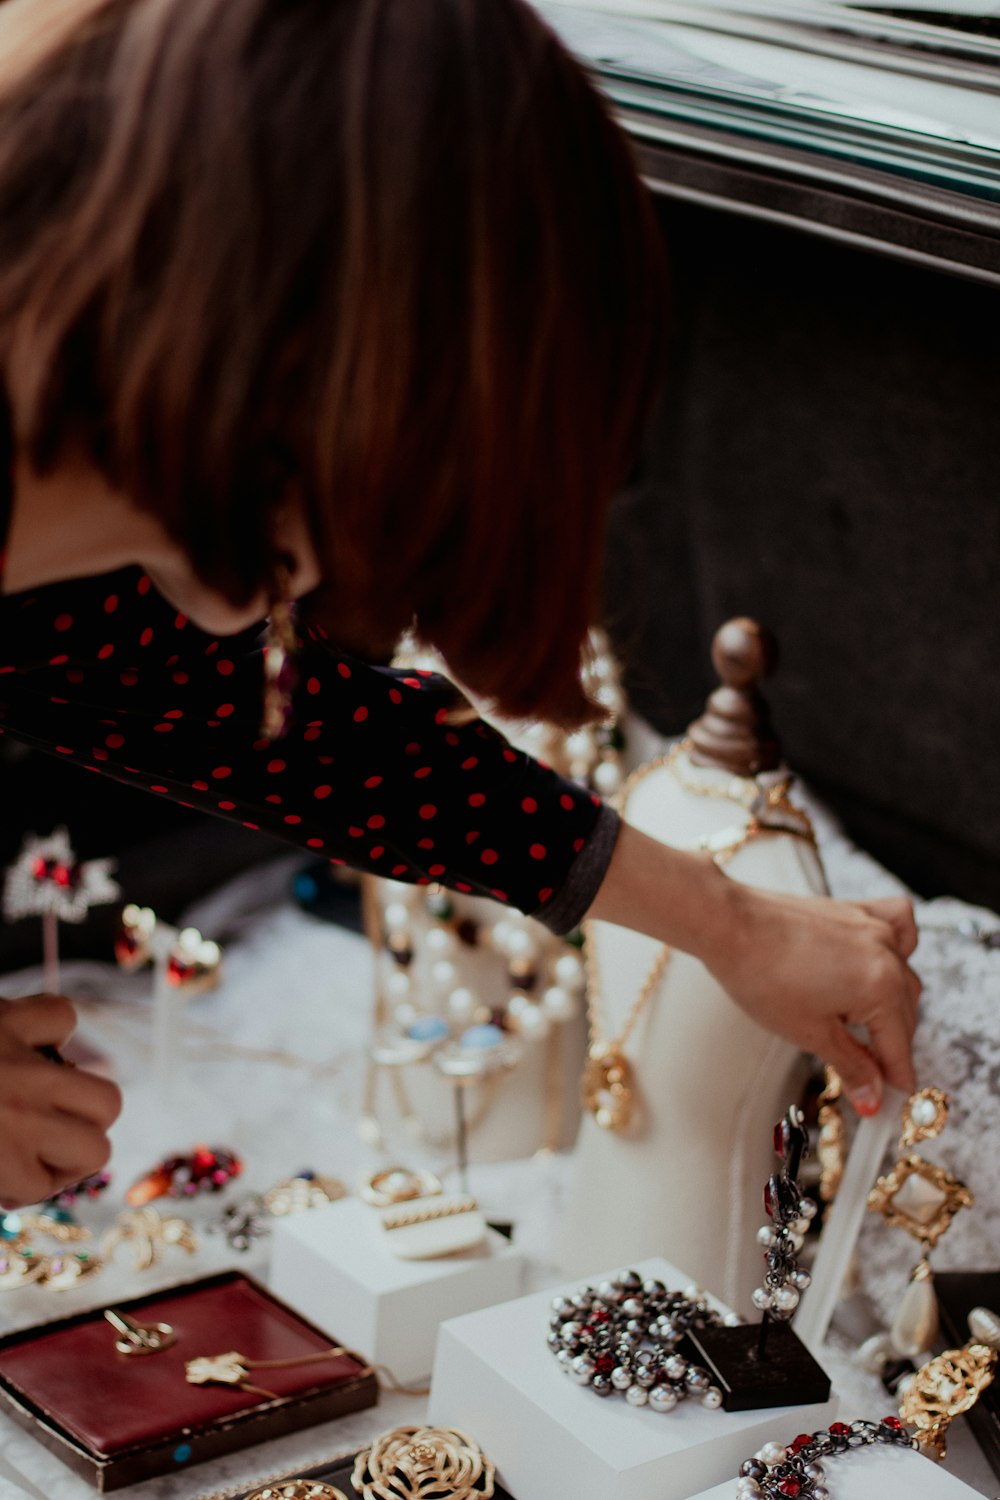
958	1292
338	1474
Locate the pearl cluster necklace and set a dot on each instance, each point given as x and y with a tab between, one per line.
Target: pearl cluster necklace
796	1473
622	1335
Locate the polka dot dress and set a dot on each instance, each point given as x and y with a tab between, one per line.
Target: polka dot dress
372	773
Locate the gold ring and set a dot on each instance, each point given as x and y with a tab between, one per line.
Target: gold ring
399	1185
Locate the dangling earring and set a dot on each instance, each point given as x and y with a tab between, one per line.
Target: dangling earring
922	1199
280	647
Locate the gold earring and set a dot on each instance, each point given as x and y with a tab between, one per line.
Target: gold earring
280	648
922	1199
947	1386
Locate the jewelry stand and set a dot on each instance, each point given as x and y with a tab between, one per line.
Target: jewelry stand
767	1364
684	1181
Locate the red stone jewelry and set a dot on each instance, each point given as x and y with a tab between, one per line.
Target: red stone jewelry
796	1472
207	1169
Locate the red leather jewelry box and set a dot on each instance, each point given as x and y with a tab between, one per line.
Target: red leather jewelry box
117	1419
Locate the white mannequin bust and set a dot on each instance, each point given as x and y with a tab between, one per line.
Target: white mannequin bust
686	1180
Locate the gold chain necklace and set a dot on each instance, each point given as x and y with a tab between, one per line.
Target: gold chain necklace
607	1088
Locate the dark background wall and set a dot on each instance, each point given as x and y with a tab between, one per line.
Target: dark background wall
826	459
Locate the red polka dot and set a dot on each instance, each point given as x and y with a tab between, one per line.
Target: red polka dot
428	811
322	792
199	786
395	695
254	826
58	700
161	789
545	894
144	585
461	886
111	604
293	818
425	843
360	715
467	765
225	668
313	686
64	750
312	734
315	843
343	669
377	852
567	802
423	771
211	648
435	870
146	637
510	756
224	710
500	895
477	799
441	717
489	856
413	682
472	835
275	766
226	806
64	622
221	772
58	661
174	713
274	799
162	728
451	738
99	754
181	679
412	748
538	851
325	760
399	870
114	741
5	671
376	821
74	675
105	652
529	805
180	621
372	782
356	833
577	845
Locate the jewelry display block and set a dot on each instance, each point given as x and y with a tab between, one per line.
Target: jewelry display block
872	1474
334	1267
495	1376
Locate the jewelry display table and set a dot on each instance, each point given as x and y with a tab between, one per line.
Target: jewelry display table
271	1065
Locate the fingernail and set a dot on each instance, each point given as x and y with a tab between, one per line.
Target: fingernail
866	1100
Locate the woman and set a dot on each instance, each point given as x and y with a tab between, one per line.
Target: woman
357	300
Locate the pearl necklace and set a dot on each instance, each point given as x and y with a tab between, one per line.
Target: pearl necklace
795	1473
622	1335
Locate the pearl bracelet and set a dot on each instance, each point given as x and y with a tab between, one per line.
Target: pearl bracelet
795	1472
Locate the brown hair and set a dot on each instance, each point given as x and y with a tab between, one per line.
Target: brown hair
395	249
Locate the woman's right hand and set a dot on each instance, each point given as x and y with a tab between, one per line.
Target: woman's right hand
54	1121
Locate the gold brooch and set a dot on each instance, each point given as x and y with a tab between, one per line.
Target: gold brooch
298	1489
943	1389
414	1462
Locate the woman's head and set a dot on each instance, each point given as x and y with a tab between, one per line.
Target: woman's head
386	261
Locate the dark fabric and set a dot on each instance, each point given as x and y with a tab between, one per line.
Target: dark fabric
104	673
826	460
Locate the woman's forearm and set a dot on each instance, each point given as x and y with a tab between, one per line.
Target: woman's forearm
803	967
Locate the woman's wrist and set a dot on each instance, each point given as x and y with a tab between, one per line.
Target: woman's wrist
681	898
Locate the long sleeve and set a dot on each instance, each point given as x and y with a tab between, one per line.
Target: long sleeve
373	773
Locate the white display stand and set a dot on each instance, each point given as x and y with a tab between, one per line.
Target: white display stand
875	1473
332	1266
687	1180
495	1376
